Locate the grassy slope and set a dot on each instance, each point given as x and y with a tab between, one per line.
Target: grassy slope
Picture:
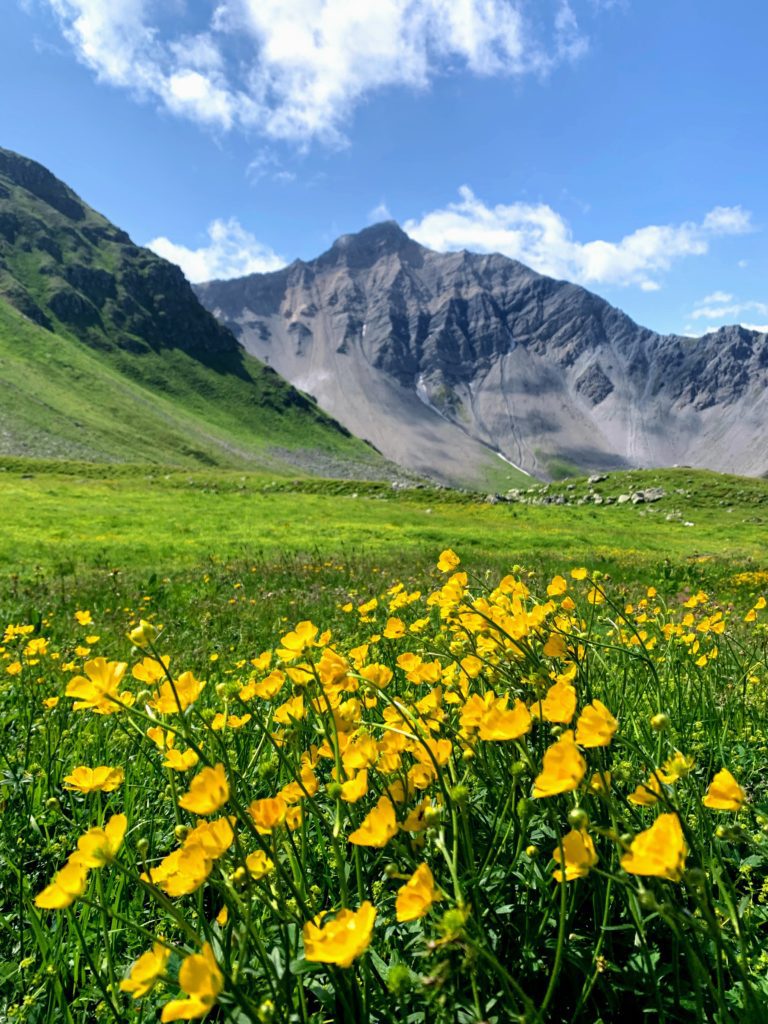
59	398
142	519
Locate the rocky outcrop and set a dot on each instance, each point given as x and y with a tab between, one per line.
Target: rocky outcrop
87	274
448	361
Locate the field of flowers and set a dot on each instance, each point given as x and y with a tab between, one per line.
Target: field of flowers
455	798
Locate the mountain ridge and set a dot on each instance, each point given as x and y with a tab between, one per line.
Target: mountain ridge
106	353
468	355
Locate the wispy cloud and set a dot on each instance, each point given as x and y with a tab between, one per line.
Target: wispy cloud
379	213
726	308
540	237
231	251
296	69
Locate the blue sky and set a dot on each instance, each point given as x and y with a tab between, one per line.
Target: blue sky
621	144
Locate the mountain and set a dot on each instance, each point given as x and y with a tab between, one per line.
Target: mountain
106	353
459	364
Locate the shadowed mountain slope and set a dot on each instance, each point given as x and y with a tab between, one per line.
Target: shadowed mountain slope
106	353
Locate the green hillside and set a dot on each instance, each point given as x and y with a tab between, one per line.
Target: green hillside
106	354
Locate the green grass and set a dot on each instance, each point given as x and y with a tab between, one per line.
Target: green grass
61	399
79	516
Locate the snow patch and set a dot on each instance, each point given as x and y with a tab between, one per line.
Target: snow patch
514	465
423	395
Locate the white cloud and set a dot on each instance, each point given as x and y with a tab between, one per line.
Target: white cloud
728	220
295	69
231	252
709	309
379	213
760	328
540	237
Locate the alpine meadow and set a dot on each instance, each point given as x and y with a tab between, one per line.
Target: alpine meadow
384	628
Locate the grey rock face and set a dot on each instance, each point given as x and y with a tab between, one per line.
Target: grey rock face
448	361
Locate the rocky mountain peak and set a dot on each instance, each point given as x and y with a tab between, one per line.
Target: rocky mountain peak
366	247
456	363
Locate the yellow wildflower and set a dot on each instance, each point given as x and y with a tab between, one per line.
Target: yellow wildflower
208	791
90	780
578	852
448	560
97	689
175	697
563	768
415	898
660	850
100	845
180	760
267	814
595	725
202	980
68	883
146	971
378	826
724	793
342	939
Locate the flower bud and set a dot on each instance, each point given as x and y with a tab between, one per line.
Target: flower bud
647	900
459	795
578	818
143	634
432	816
524	808
181	832
695	877
660	723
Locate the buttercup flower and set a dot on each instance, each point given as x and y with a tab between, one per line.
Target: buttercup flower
100	845
378	826
660	850
417	895
724	793
448	560
89	780
342	939
97	690
202	980
578	854
171	699
500	723
563	768
180	760
267	814
258	863
146	970
595	725
68	883
208	791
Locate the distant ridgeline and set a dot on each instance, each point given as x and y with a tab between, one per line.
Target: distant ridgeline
446	361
